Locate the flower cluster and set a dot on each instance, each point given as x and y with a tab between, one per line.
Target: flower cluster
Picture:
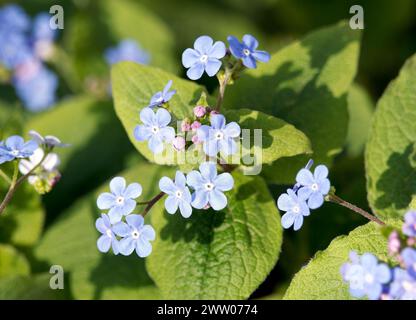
308	193
208	186
25	46
121	230
367	277
206	55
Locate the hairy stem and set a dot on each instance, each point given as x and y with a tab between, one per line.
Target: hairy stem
152	202
5	177
223	84
15	183
335	199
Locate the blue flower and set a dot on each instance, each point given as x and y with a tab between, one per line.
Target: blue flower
108	238
14	49
219	136
403	286
295	207
204	57
16	148
155	128
409	226
313	186
209	186
120	200
38	90
42	30
409	257
13	18
47	141
178	195
127	50
365	275
246	50
135	235
162	97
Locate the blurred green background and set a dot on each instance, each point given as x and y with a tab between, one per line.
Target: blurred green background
85	118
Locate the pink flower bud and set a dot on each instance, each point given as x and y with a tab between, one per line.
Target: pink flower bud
195	139
195	125
185	126
200	111
394	243
179	143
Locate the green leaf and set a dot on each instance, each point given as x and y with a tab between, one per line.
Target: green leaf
99	146
279	139
321	278
27	288
390	153
22	221
360	109
12	262
305	84
95	275
11	119
218	255
134	85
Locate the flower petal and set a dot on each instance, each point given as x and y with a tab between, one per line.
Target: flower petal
298	222
194	179
224	182
195	71
249	62
211	147
148	233
100	225
155	144
167	186
15	142
118	185
217	200
105	201
218	50
163	117
121	229
203	44
208	170
180	179
135	221
51	161
185	209
200	199
236	47
143	248
217	121
115	214
147	116
232	130
104	243
284	202
213	66
315	200
321	172
250	42
171	204
128	207
126	246
228	146
142	133
262	56
167	134
287	220
133	191
190	57
305	177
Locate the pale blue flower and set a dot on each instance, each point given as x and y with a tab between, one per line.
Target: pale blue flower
409	257
409	226
135	236
42	30
313	186
47	141
295	208
127	50
155	128
403	286
162	97
108	239
205	56
14	19
209	186
178	195
120	200
14	49
219	137
246	50
15	147
365	275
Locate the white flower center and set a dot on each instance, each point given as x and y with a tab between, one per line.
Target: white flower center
219	135
314	187
120	200
178	194
14	153
246	52
155	129
109	233
209	186
369	278
135	234
296	209
204	58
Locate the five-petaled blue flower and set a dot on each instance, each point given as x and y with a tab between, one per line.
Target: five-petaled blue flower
178	195
403	286
409	258
15	147
313	186
409	226
126	50
365	275
108	238
209	186
135	235
162	97
155	128
295	207
47	141
120	200
219	136
246	50
205	56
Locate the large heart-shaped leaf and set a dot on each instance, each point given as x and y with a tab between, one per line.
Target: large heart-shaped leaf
305	84
71	243
321	278
218	255
12	262
134	85
390	153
